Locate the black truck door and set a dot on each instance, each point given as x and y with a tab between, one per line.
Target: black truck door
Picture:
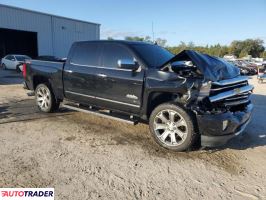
120	89
80	72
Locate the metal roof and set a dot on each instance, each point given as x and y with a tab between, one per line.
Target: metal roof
42	13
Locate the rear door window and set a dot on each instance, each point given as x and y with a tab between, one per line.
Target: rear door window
87	54
114	52
9	57
21	58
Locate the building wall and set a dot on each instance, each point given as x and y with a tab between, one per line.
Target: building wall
67	31
28	21
55	34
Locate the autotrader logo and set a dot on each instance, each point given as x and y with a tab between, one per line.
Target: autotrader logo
26	193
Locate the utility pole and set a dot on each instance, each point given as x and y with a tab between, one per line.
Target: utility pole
152	28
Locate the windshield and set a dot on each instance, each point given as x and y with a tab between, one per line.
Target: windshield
154	56
22	58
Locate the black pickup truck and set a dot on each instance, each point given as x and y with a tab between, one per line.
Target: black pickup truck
185	98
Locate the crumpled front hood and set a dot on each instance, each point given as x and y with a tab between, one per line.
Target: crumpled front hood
213	68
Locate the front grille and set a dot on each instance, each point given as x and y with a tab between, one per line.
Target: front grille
231	92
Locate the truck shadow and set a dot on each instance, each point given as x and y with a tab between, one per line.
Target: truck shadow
4	112
25	110
10	77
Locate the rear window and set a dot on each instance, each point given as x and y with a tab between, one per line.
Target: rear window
22	58
9	57
86	54
154	56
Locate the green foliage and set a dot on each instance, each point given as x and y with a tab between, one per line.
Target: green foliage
215	50
136	38
263	55
247	47
159	41
253	47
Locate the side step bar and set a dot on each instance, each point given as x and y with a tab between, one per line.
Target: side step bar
109	115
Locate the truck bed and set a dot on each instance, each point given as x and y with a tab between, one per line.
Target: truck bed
38	70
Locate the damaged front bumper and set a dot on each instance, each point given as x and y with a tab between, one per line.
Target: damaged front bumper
218	129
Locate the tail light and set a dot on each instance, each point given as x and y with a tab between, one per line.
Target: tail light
24	70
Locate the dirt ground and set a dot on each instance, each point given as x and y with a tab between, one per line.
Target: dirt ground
88	157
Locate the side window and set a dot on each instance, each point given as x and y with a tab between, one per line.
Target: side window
86	54
114	52
9	57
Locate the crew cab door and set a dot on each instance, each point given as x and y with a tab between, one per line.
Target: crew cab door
80	74
121	89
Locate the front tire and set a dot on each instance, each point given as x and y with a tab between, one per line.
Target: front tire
45	99
172	127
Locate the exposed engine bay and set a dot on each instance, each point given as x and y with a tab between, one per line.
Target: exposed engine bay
185	69
213	85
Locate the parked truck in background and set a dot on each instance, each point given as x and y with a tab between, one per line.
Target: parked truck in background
185	99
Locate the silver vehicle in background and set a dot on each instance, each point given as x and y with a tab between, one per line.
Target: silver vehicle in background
14	62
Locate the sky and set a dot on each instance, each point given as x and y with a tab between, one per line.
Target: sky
200	21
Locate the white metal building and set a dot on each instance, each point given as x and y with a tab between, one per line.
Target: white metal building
34	33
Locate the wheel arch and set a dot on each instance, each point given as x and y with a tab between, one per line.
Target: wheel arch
156	98
40	80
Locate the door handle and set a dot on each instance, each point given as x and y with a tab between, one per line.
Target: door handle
69	71
102	75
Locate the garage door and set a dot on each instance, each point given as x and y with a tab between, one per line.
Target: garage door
18	42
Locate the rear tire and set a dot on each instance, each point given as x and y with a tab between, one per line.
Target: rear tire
172	127
4	66
45	99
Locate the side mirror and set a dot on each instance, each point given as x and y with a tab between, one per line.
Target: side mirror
13	59
128	64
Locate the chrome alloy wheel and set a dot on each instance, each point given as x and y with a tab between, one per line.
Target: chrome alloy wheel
170	127
43	98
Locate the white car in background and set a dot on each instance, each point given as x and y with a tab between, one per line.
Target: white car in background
14	62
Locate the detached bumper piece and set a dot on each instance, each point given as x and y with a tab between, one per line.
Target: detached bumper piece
218	129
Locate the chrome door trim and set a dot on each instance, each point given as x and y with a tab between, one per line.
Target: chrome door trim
99	98
99	67
102	75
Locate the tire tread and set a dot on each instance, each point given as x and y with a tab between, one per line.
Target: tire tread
191	122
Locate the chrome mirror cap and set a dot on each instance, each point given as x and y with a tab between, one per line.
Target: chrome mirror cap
129	64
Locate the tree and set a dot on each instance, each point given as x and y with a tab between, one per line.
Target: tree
147	39
191	45
253	47
263	55
161	42
247	47
135	38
